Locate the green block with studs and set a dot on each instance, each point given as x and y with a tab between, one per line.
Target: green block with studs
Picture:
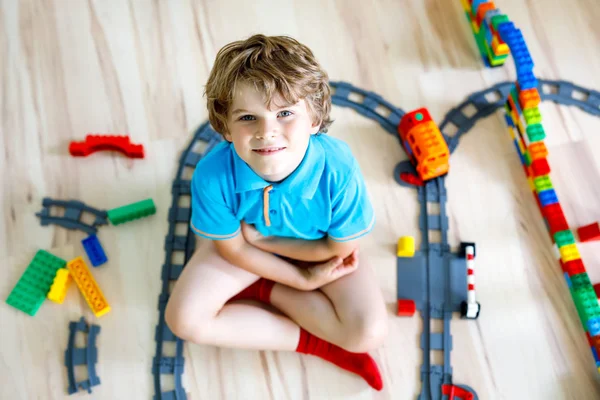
580	281
498	19
542	183
532	116
30	291
131	212
535	132
564	238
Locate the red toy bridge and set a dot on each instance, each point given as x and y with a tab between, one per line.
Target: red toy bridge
94	143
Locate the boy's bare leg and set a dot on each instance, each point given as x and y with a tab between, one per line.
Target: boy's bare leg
197	312
349	312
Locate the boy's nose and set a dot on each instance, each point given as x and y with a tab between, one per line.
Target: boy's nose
266	130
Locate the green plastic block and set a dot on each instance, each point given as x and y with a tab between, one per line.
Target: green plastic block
542	183
586	302
527	158
131	212
481	43
498	19
532	116
535	132
33	286
564	238
515	99
580	281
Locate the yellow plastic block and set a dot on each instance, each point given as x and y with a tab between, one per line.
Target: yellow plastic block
499	49
88	286
531	184
569	253
58	290
466	5
512	132
406	246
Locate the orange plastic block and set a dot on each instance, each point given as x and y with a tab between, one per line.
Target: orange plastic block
88	286
529	98
59	287
538	150
483	9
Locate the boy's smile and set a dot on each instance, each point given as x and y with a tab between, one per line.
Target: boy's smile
272	141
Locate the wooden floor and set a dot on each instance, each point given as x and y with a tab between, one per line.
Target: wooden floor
68	68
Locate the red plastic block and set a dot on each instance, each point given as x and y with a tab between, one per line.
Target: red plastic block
95	143
555	217
540	167
455	393
483	9
589	232
406	308
411	179
597	289
574	267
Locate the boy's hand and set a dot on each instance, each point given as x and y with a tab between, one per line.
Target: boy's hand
251	234
321	274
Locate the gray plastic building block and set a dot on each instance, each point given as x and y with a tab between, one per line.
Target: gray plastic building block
161	364
82	356
73	212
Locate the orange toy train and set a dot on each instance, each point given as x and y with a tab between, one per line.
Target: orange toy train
424	144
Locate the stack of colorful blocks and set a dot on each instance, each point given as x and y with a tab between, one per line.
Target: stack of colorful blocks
524	124
485	20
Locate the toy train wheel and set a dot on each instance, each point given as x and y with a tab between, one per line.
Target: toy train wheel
470	311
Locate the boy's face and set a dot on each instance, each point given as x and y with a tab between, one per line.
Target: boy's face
271	141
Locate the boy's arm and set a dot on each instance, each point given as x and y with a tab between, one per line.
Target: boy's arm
239	252
298	249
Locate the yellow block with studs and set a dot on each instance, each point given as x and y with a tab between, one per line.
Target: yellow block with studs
406	246
58	290
87	285
569	253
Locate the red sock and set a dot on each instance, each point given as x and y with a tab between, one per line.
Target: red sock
360	363
259	290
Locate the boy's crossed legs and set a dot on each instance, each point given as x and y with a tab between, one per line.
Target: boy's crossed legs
348	312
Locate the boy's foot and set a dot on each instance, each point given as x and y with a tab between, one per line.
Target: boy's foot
259	290
359	363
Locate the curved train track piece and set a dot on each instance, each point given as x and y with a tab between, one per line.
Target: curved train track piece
71	219
184	245
82	356
95	143
487	101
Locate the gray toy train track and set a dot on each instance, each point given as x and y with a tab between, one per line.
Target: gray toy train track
82	356
71	219
365	103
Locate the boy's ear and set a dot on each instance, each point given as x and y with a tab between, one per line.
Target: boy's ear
227	136
315	128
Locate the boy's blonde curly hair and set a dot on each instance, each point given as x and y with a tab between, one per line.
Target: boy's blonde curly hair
276	65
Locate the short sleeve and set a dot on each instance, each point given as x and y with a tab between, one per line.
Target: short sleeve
211	217
352	213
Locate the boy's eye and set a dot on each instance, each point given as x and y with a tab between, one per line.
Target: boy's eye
285	113
246	118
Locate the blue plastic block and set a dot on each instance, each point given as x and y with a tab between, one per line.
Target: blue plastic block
528	81
593	325
475	5
509	120
519	151
567	278
548	197
94	250
488	33
595	353
506	29
489	15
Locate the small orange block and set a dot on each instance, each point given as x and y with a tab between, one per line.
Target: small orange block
538	150
529	98
88	286
483	9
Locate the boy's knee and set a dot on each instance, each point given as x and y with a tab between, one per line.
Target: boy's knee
185	325
366	334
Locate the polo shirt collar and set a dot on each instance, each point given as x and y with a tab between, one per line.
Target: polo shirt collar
303	181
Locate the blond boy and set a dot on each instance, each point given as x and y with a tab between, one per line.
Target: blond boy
279	208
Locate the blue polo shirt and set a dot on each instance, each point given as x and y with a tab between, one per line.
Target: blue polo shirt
325	196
